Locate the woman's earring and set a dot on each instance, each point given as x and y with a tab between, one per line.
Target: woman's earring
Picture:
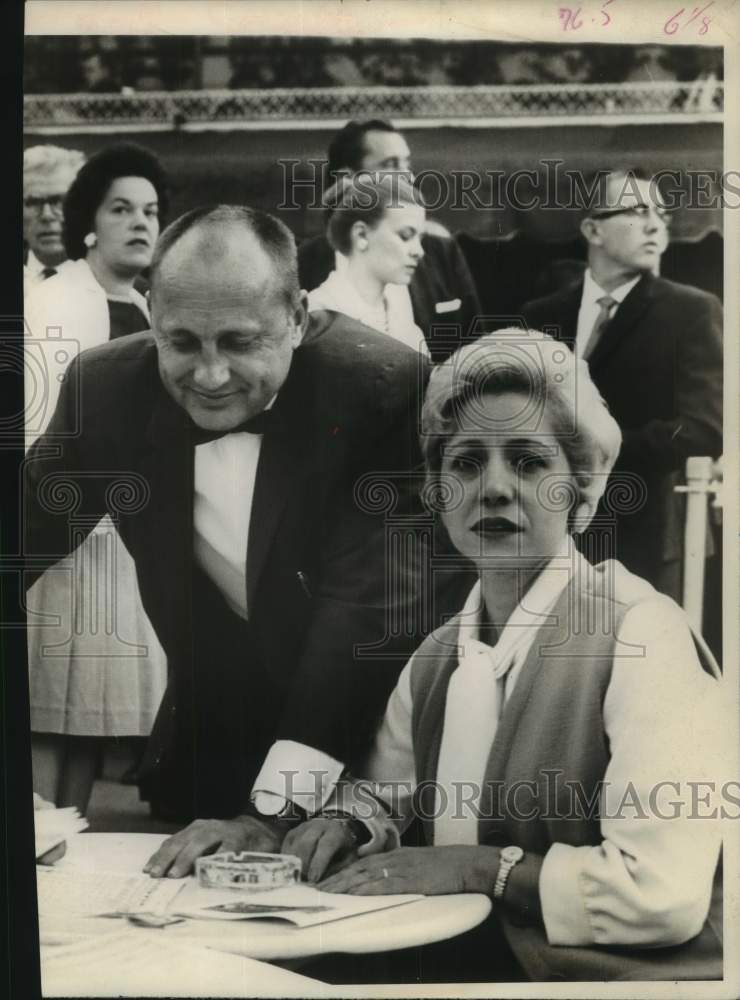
90	240
362	243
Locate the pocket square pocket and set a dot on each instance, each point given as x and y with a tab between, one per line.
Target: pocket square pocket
448	307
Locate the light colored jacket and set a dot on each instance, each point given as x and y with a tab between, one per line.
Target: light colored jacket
64	315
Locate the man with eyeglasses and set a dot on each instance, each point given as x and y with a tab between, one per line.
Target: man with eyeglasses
48	172
654	349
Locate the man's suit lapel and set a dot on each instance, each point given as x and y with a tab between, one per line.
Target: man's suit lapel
284	461
168	465
625	321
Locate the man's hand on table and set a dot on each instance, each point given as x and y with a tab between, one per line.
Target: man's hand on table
319	842
177	855
431	871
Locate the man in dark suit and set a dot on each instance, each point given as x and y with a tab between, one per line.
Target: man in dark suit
268	456
654	349
442	291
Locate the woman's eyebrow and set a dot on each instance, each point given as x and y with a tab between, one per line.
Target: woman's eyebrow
531	442
127	201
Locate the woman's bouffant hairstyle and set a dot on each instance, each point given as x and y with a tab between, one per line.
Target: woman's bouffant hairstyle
92	183
364	198
552	379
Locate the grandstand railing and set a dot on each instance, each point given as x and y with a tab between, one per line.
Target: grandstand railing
552	104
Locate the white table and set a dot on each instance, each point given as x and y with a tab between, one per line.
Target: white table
434	918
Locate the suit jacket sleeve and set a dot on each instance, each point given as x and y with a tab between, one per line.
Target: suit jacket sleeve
696	428
62	498
365	597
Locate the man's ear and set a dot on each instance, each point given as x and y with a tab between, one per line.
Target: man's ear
299	318
590	231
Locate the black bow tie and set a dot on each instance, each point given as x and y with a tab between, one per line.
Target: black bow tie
261	424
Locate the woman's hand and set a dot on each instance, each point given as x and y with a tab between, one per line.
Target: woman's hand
319	843
432	871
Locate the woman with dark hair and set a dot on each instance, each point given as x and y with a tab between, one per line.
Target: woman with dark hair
96	667
551	735
375	225
112	215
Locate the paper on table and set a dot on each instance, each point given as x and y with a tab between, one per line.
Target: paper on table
66	892
301	905
146	966
52	826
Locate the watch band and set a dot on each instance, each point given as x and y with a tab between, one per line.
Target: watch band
508	857
355	827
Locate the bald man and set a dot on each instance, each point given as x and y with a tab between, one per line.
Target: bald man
252	435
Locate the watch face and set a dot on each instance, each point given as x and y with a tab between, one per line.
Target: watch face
512	854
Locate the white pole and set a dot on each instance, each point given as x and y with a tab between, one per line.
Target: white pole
698	478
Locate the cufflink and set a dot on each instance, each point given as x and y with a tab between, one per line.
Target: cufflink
271	806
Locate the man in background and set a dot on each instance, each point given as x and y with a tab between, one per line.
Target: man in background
48	172
442	291
654	349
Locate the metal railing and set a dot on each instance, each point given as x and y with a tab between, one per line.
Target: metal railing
201	107
702	482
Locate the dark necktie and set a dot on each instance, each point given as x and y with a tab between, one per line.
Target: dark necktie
606	302
261	424
48	272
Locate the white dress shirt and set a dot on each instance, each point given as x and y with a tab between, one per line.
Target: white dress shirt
590	308
649	881
225	472
225	475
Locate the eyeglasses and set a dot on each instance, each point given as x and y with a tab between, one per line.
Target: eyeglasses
635	212
54	201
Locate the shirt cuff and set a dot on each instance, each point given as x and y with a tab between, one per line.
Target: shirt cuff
563	910
297	773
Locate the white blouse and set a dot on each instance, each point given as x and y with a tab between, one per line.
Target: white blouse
393	317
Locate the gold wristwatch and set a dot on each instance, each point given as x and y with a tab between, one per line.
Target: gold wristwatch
508	857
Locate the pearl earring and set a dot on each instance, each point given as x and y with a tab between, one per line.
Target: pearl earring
362	244
90	240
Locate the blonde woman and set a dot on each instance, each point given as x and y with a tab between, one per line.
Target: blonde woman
375	225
